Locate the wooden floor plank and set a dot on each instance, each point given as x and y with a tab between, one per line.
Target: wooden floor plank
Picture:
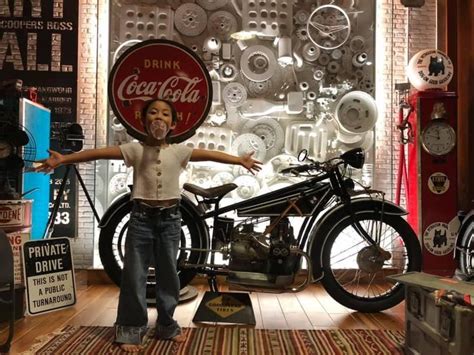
272	314
294	314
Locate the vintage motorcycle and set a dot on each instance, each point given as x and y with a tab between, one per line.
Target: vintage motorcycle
350	238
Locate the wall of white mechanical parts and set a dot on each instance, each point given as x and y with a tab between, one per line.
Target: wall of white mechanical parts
319	75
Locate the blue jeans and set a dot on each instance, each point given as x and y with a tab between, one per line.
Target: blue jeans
153	234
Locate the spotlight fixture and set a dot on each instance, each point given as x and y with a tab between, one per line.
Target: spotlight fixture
413	3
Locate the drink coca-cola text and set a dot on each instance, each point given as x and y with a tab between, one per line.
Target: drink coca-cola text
175	88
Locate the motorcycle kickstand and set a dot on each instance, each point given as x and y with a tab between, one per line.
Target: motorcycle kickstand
212	281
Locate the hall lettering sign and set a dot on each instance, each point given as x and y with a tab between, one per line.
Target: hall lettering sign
39	45
49	275
160	69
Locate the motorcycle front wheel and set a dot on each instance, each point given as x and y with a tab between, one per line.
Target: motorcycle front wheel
466	255
112	246
355	271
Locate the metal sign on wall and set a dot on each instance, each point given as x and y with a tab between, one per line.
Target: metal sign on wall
160	69
39	45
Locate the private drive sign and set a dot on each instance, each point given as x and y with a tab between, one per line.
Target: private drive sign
160	69
49	276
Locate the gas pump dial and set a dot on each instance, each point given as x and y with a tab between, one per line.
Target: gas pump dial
438	138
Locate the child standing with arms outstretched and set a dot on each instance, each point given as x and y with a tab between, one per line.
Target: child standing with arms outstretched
155	222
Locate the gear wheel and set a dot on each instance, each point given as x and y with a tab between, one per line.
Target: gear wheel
302	33
258	63
259	88
190	19
270	132
211	5
228	72
234	94
222	24
249	142
301	17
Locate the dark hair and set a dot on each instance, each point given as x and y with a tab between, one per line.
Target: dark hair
174	114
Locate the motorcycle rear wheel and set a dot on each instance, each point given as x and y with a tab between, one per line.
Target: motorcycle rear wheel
354	271
112	247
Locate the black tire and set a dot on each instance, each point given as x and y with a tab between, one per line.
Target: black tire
466	255
112	246
338	268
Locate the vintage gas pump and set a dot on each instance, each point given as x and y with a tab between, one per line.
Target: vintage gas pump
432	160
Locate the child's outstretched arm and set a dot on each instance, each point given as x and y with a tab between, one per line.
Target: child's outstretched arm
57	159
246	160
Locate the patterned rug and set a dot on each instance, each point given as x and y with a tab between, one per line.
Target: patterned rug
230	341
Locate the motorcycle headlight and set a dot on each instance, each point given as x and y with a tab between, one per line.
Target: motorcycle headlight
354	157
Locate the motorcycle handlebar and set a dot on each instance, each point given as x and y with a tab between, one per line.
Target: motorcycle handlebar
296	169
354	157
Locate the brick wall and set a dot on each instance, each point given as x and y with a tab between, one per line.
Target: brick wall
83	244
401	32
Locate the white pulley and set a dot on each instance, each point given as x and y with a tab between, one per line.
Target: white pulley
234	94
190	19
356	112
258	63
270	132
222	24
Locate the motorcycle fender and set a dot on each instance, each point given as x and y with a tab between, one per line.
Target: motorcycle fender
466	221
113	209
318	235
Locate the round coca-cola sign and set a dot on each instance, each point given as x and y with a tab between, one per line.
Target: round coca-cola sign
160	69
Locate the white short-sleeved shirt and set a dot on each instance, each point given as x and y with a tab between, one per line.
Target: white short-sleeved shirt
156	170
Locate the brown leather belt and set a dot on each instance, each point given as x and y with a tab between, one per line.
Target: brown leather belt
156	210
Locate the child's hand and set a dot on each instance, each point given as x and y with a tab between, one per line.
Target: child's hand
249	163
47	165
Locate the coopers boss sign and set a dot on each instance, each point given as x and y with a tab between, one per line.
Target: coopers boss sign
160	69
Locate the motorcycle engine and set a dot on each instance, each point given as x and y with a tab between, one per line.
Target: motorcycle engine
254	251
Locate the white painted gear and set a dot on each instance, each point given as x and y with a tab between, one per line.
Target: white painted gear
249	142
270	132
329	27
311	52
222	24
116	124
258	63
333	67
302	33
259	88
366	85
336	54
190	19
228	72
222	177
357	44
234	94
301	17
211	5
118	183
324	59
356	113
248	186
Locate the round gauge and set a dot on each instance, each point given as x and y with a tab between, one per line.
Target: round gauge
6	149
438	138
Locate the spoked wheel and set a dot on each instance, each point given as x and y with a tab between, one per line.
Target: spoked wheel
466	256
112	246
355	271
